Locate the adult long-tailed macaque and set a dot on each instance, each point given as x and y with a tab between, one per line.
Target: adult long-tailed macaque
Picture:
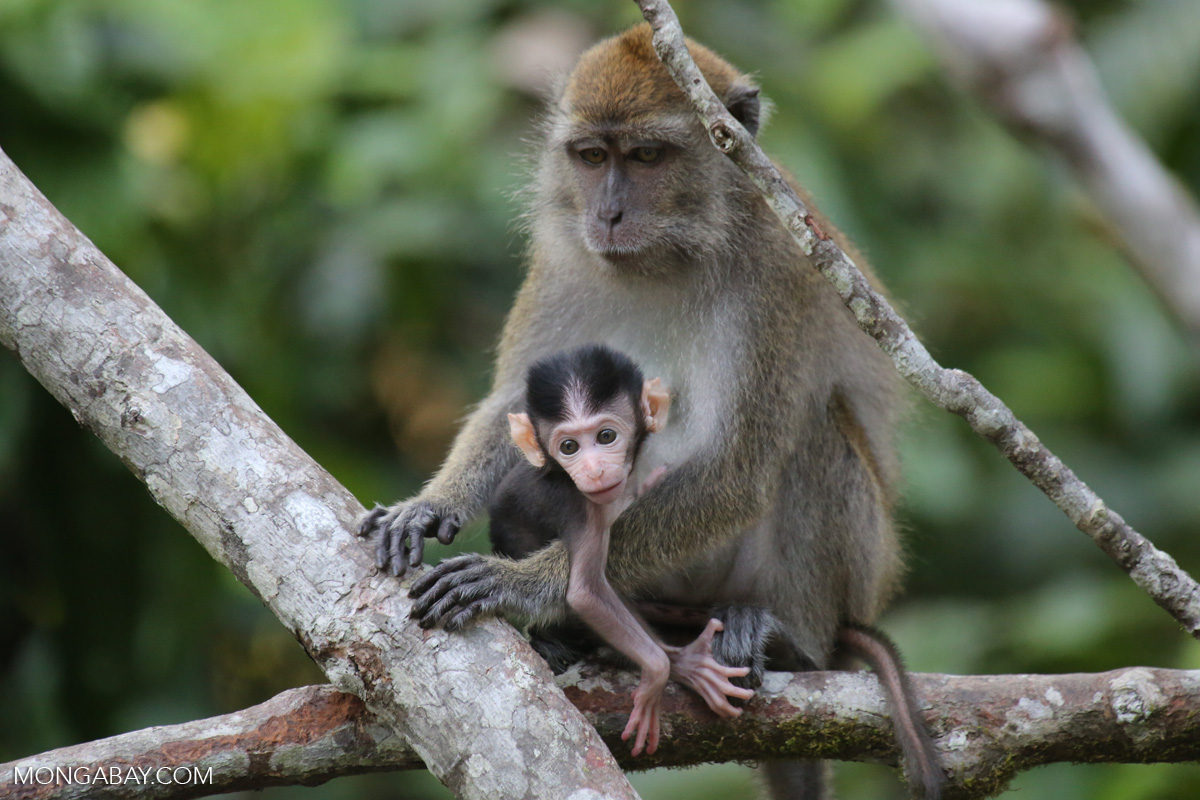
779	495
587	414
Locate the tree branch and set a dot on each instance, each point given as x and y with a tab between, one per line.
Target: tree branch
265	510
988	728
302	736
1020	59
953	390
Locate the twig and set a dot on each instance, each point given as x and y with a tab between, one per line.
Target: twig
953	390
1021	59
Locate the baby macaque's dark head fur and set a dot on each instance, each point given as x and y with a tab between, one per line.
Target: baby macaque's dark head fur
592	376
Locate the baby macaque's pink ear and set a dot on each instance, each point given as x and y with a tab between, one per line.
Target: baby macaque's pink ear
656	402
525	437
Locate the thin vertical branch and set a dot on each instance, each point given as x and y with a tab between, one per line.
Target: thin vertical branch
953	390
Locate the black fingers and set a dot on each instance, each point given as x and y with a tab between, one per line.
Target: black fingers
449	528
454	592
402	530
427	583
393	543
382	556
366	525
483	606
416	547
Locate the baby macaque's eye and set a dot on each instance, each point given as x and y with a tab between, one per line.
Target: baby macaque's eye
606	436
568	447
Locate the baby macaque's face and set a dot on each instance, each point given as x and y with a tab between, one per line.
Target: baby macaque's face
596	449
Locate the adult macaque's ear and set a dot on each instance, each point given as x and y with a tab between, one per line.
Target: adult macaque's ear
744	103
525	437
656	402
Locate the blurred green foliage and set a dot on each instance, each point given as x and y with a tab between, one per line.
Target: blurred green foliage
323	193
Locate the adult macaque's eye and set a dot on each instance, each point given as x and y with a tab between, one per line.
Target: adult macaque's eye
646	155
606	436
568	447
593	155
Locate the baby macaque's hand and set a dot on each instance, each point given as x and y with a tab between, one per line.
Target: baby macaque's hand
653	478
643	720
695	667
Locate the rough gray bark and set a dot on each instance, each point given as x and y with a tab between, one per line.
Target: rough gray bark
1020	59
988	728
479	708
1155	571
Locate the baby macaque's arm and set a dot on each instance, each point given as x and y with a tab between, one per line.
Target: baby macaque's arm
592	597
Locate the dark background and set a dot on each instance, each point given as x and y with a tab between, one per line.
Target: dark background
322	194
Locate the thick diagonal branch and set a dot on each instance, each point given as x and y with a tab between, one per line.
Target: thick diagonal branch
479	708
953	390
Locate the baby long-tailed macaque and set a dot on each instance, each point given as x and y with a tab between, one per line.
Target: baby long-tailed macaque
587	413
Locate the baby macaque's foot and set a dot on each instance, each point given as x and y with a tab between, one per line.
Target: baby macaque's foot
695	667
